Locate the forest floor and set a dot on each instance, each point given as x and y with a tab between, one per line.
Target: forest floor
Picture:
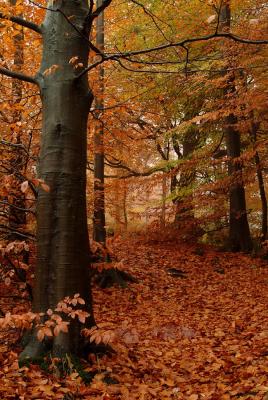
197	334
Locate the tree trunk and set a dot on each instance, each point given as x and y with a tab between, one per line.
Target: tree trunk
62	236
239	233
17	215
99	230
260	181
184	204
125	206
164	197
262	196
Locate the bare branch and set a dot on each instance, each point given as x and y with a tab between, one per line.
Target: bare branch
23	22
17	75
154	18
125	55
100	9
16	145
28	210
182	44
91	45
151	71
161	152
117	164
26	235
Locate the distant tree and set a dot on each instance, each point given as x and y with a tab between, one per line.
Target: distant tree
99	230
239	234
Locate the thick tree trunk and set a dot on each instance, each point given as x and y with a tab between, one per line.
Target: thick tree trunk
99	230
62	236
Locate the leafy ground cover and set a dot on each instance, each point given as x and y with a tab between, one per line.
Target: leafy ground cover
194	327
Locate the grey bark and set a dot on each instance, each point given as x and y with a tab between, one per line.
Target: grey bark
62	236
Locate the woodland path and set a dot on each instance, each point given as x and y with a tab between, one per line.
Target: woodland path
200	336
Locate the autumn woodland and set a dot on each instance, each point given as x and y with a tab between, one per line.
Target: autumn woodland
133	205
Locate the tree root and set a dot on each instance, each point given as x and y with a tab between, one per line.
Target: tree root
33	351
114	277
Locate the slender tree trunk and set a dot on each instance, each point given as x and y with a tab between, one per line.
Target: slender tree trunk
184	206
259	173
164	195
99	231
125	206
118	206
262	196
239	233
62	236
17	217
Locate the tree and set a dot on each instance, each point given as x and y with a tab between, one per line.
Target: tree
259	173
185	149
99	230
15	214
239	234
62	236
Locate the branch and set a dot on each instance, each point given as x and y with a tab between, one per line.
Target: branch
91	45
100	9
137	174
161	152
154	18
17	75
16	145
182	44
23	22
28	210
117	164
215	152
7	229
152	71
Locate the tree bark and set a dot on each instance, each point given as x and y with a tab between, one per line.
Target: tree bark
163	200
184	206
99	230
239	233
260	179
17	217
62	236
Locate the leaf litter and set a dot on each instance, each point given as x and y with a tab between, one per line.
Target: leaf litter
201	337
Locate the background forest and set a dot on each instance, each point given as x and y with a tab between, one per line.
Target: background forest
134	162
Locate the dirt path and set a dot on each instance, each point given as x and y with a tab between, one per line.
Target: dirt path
194	327
200	336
